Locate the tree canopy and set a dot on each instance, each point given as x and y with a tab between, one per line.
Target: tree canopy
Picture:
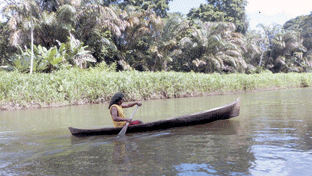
141	35
222	11
160	7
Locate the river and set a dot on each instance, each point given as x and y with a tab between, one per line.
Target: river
271	136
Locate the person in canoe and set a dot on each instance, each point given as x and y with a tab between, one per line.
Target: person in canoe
117	112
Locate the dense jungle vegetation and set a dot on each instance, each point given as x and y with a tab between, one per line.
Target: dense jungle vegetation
83	51
141	35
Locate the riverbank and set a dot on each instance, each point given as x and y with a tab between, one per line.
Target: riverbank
98	85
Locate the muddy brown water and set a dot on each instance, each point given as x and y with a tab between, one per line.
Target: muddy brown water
271	136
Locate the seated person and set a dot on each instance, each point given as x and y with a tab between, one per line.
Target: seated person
117	112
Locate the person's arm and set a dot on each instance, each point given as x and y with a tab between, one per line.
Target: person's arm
114	113
132	104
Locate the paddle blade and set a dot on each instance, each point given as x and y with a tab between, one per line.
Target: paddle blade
123	130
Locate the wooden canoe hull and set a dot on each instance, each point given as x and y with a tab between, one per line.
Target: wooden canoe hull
219	113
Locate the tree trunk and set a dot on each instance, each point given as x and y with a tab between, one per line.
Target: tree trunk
261	59
32	49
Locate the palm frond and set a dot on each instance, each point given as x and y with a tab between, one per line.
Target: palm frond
66	14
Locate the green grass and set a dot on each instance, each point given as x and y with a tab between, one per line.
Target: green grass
98	85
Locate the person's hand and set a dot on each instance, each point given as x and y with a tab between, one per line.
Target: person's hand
129	120
139	103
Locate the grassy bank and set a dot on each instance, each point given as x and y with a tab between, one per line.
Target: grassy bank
96	85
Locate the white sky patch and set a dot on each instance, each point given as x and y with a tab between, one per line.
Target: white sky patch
271	11
2	4
292	8
184	6
275	11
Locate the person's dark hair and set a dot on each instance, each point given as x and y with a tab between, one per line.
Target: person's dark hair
116	98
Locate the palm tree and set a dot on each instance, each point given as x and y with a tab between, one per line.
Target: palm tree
59	24
75	53
23	18
254	51
289	47
94	16
96	25
175	28
268	34
294	42
218	47
135	44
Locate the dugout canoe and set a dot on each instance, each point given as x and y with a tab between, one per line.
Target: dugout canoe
223	112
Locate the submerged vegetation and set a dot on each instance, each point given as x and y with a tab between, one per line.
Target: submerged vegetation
97	85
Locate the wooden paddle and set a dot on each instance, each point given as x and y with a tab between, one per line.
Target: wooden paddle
124	129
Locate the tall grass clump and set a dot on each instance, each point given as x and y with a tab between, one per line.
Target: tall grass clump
99	84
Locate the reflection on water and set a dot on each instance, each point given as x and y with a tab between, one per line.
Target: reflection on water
281	161
272	136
